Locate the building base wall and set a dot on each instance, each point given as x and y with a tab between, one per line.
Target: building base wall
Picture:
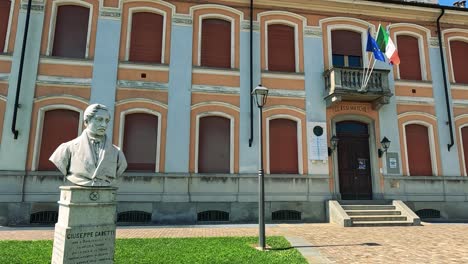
179	198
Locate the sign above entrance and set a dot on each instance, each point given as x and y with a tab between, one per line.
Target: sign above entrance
317	141
360	108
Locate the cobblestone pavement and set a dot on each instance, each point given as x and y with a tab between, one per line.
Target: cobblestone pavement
431	243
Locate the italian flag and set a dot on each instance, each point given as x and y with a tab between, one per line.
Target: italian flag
386	46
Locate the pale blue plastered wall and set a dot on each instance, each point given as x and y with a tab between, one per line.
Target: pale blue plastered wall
249	155
388	117
105	66
449	159
314	88
179	100
13	153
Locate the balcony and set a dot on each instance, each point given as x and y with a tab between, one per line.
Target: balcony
344	84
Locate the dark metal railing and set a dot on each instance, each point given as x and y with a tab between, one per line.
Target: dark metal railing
134	217
213	216
44	218
286	215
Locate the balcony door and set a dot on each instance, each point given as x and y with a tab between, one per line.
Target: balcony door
354	160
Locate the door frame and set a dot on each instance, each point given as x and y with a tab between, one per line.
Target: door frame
373	157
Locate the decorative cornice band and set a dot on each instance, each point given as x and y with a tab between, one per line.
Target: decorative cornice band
4	76
414	100
6	57
116	14
142	85
245	25
34	7
286	93
434	42
215	89
460	103
65	61
418	84
182	20
217	71
43	79
283	75
313	32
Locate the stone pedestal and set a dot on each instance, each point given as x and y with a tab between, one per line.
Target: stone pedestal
85	231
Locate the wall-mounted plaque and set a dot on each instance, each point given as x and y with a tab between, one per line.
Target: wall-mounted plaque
317	141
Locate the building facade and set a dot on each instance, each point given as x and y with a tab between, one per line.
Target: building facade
177	76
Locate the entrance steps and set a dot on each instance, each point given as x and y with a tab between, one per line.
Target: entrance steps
353	213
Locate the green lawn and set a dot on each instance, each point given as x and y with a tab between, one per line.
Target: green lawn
167	250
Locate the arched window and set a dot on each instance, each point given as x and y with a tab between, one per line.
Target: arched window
410	62
4	18
146	37
215	43
418	149
464	134
346	48
459	52
281	48
214	145
59	126
71	31
283	146
141	141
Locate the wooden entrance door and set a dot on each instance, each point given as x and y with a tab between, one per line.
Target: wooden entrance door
354	161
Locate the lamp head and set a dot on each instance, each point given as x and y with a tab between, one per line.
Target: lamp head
385	143
260	93
333	143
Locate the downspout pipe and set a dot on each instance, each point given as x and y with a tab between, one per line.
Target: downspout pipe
20	73
251	74
447	101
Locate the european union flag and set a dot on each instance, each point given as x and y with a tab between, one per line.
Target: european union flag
374	48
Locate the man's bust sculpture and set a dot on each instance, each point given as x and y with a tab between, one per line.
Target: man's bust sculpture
91	159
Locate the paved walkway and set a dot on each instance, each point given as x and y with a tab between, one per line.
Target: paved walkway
326	243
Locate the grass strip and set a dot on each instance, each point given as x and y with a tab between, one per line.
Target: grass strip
167	250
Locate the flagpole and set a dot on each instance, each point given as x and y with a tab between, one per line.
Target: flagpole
364	77
368	78
367	75
365	70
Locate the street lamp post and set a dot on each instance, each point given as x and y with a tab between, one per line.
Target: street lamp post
261	93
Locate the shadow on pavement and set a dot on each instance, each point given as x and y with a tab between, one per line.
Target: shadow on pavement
369	244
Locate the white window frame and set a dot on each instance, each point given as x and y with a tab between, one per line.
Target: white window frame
233	35
449	40
51	36
231	140
362	31
300	166
462	149
422	57
432	146
123	115
133	10
296	40
10	19
40	124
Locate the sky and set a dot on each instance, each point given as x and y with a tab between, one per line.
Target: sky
446	2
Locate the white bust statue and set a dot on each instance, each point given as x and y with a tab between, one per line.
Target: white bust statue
91	159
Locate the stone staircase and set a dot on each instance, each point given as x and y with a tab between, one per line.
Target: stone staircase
371	213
